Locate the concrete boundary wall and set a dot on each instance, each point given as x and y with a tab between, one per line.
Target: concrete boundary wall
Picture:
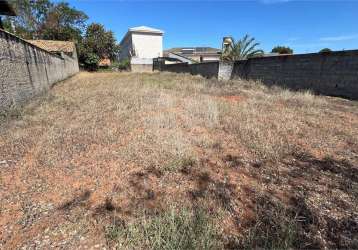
27	70
333	73
209	69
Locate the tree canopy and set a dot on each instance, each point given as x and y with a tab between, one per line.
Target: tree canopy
63	23
282	50
97	41
325	50
43	19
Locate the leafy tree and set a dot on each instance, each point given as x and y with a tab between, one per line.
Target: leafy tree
97	40
91	61
325	50
63	23
282	50
244	48
30	16
42	19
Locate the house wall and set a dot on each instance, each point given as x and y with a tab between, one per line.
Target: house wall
27	70
211	58
147	45
141	68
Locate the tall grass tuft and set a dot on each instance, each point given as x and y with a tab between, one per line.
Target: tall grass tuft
174	229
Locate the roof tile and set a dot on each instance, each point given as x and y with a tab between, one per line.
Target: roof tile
54	46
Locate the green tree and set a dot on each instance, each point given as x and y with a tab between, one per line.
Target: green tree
42	19
282	50
98	41
244	48
30	16
91	61
63	23
325	50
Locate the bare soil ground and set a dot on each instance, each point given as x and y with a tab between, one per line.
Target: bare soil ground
169	161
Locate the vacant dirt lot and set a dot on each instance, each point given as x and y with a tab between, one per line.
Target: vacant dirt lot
168	161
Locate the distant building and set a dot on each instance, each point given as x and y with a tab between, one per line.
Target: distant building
140	45
57	47
197	54
104	62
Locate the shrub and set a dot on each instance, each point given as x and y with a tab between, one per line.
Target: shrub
182	164
282	50
124	64
91	62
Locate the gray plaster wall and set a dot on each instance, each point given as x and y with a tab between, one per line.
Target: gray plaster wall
334	73
176	68
209	69
27	71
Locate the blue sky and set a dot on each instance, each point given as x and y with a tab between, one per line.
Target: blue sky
305	26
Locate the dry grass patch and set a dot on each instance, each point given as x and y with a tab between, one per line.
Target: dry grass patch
113	145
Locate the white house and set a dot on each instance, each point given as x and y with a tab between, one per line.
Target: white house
140	45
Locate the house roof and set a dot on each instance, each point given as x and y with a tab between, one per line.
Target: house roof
196	50
6	8
54	46
141	29
145	29
182	58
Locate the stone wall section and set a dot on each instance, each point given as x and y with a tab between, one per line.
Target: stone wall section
27	70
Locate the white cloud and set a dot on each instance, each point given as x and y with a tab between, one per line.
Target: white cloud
339	38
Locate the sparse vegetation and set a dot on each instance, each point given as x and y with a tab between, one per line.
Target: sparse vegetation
128	160
274	226
124	65
172	229
282	50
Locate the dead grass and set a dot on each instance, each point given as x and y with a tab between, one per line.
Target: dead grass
269	168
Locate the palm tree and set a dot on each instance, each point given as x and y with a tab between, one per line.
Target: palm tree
245	48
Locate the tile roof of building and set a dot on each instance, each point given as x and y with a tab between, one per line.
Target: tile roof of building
196	50
54	46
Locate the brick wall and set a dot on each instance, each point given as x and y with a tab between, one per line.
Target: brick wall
27	71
